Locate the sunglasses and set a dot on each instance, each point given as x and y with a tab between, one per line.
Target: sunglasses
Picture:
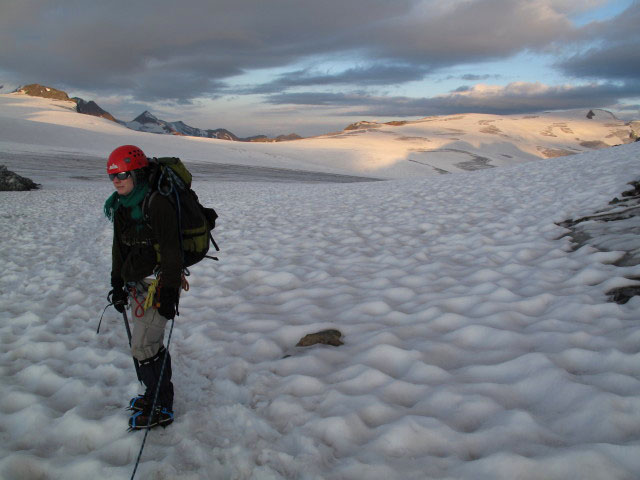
119	176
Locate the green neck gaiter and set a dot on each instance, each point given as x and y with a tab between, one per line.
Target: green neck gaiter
133	201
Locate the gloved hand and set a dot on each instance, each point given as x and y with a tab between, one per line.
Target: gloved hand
118	296
168	299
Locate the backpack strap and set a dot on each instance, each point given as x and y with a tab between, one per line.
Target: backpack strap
146	204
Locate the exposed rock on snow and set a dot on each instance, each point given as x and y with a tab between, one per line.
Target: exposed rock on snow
92	108
325	337
363	125
613	228
37	90
10	181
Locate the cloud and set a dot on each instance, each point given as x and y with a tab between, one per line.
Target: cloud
373	75
474	78
517	97
183	50
132	46
523	97
176	52
612	62
616	55
470	31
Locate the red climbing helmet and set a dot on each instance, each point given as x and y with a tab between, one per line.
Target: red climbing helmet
125	159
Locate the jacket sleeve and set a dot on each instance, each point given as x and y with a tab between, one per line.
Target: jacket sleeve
116	259
164	224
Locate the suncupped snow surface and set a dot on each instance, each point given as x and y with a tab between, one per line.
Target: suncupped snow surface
477	344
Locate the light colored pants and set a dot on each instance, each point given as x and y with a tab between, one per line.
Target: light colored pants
148	331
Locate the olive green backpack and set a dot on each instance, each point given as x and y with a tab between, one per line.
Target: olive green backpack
169	177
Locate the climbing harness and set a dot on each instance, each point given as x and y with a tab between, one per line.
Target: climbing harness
148	294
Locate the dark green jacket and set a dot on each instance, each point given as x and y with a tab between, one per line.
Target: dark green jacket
139	247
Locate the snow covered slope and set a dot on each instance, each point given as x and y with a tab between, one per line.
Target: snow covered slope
415	149
146	122
476	344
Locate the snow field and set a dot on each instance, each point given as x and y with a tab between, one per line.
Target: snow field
477	345
452	143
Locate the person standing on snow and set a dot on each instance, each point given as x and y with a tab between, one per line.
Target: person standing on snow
142	248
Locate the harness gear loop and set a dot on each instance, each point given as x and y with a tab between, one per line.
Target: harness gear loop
185	283
151	291
139	310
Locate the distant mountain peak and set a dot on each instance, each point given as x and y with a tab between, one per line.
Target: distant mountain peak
147	122
146	117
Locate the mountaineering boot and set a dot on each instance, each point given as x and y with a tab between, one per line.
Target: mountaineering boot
161	416
150	370
139	403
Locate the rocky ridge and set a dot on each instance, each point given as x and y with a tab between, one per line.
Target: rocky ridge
92	108
146	121
36	90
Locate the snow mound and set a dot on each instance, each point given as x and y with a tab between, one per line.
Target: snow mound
477	345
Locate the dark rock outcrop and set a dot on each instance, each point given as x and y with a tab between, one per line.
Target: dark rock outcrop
325	337
37	90
362	125
287	138
257	138
279	138
613	227
12	182
92	108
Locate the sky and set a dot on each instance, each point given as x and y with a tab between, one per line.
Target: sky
283	66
